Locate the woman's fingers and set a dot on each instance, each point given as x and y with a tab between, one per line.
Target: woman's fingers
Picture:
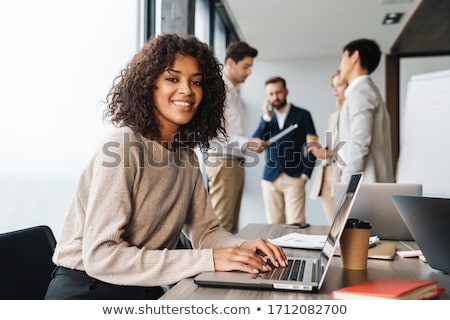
237	258
266	248
250	257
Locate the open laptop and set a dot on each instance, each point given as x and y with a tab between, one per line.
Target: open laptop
428	219
374	205
304	274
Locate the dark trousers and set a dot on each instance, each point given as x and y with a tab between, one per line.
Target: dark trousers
69	284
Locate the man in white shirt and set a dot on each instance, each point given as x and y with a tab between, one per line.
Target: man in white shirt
225	163
364	123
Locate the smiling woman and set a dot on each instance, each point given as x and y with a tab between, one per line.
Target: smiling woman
120	236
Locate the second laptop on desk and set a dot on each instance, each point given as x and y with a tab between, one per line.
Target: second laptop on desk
428	218
374	204
305	274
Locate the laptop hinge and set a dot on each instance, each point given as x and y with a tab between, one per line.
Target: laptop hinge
317	271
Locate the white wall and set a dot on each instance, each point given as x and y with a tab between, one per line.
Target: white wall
309	84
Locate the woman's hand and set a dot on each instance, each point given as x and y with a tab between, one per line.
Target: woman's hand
249	257
319	153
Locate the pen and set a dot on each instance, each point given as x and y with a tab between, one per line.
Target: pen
297	225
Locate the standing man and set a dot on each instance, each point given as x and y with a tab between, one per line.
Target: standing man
225	163
364	123
288	165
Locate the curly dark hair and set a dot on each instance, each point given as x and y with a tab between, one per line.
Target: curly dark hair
130	101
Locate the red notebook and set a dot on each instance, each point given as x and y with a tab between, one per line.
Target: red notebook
390	288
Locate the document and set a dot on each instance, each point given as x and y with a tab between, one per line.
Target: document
280	135
300	240
308	241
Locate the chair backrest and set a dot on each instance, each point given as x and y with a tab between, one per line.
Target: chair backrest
26	263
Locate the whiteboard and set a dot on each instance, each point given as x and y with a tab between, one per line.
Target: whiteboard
424	155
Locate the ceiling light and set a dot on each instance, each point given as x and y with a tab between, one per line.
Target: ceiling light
393	17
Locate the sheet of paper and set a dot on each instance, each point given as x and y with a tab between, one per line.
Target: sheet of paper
282	133
308	241
300	240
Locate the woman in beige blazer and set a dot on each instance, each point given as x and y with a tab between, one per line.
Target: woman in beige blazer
329	173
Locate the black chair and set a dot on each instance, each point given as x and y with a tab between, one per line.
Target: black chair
26	263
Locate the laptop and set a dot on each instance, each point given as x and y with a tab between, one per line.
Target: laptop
428	219
303	274
374	205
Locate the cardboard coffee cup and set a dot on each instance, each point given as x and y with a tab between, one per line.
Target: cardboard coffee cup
352	277
354	244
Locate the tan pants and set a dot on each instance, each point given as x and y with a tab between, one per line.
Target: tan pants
226	185
284	199
326	193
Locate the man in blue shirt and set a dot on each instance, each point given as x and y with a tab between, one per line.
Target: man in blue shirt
288	164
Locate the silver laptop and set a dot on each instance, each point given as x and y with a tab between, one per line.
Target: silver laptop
428	219
374	204
304	274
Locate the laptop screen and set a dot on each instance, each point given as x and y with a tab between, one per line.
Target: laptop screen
337	227
374	205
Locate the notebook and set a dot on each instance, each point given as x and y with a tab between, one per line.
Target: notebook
390	288
428	219
303	274
374	205
382	251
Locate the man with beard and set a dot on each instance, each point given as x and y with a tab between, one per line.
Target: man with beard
288	164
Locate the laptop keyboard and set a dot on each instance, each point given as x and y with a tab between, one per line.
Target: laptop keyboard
293	272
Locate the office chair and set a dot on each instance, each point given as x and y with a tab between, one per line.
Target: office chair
26	263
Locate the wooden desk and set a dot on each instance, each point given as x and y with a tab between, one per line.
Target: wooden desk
336	278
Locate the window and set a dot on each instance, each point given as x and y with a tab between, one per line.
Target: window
58	61
174	16
207	19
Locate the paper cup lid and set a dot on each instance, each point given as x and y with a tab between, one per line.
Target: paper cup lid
356	223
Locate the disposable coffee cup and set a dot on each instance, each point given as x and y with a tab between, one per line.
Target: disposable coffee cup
352	277
354	244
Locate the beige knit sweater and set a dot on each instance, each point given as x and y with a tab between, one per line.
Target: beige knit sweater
131	203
